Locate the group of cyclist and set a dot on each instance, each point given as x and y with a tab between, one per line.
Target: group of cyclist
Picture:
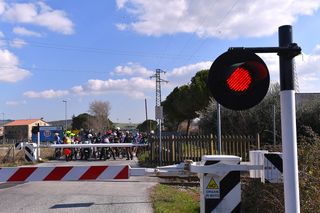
91	137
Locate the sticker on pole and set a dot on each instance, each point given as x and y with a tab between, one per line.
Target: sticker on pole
212	188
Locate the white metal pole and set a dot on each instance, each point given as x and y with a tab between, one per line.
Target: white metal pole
219	128
289	149
288	124
38	145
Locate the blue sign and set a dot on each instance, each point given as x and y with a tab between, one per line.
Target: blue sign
47	133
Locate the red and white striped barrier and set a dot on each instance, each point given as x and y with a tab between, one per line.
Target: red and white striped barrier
63	173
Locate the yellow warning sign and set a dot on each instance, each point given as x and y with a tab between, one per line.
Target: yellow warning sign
212	184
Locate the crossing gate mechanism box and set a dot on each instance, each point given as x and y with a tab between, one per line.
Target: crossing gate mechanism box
272	166
220	193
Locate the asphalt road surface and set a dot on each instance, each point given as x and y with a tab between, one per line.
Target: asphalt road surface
86	196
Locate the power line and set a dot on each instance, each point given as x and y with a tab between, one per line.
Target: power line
99	50
190	37
204	41
53	69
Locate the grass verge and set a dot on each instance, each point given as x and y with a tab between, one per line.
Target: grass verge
175	199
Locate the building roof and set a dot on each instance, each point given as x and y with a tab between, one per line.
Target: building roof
22	122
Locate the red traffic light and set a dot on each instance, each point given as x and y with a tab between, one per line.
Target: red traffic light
238	80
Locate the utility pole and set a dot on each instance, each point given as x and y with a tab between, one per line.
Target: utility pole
158	108
65	111
146	109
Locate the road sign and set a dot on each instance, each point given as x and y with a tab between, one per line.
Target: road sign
212	190
159	112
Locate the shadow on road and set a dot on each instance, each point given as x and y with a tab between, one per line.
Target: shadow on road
82	205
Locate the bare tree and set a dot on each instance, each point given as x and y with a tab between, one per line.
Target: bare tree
100	111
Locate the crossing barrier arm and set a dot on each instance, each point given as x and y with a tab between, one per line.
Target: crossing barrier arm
177	170
188	169
219	169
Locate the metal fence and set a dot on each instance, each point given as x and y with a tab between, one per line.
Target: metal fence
176	149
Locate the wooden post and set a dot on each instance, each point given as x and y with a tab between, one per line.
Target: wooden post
13	152
258	141
173	151
201	146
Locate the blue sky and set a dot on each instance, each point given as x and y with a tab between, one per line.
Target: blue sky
105	50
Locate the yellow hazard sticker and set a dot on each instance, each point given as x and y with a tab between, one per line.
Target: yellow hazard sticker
212	184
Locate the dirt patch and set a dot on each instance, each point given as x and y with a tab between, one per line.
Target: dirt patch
8	154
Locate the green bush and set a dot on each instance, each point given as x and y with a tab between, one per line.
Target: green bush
258	197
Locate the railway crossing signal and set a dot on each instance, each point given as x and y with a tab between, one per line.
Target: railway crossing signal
238	80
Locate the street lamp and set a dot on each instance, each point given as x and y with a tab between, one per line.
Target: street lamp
65	110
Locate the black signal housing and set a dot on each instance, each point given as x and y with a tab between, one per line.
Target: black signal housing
238	80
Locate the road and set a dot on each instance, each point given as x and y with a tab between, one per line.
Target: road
86	196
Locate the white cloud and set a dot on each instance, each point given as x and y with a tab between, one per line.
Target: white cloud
2	42
78	90
317	49
122	26
38	14
16	103
182	75
18	43
9	68
47	94
190	69
134	87
121	3
132	69
308	71
272	62
222	19
2	6
307	68
25	32
138	85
